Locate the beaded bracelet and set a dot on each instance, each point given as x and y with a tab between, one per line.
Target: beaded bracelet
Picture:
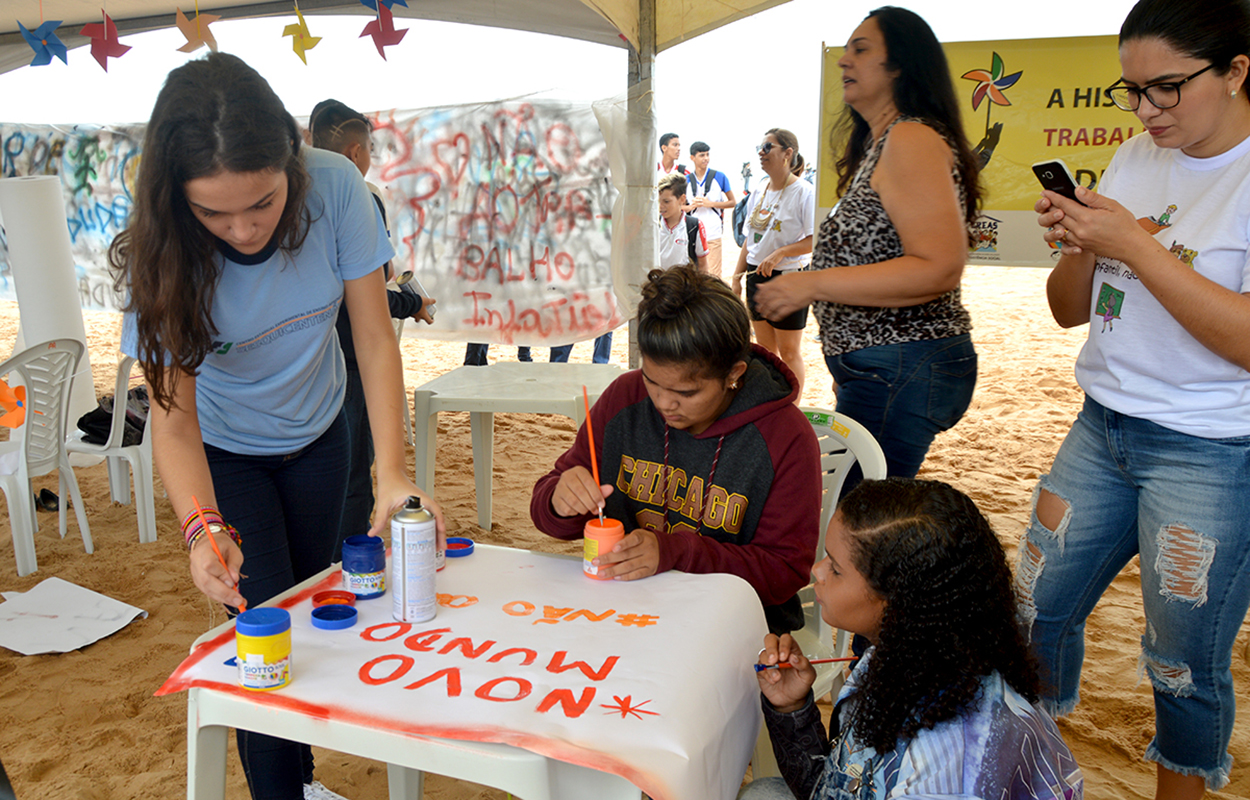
210	515
216	527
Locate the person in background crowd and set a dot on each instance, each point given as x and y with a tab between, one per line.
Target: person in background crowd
682	238
778	239
708	195
340	129
670	151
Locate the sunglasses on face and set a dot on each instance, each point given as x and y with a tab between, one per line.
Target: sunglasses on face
765	148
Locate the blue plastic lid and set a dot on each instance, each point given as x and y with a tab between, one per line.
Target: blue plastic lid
459	546
363	541
333	618
263	621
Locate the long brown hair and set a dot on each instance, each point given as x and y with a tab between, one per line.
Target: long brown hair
922	89
212	115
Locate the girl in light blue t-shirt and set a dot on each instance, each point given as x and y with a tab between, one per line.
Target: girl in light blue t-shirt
241	247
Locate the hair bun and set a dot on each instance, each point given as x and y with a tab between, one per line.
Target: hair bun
668	291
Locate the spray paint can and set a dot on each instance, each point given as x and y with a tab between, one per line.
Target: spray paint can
413	542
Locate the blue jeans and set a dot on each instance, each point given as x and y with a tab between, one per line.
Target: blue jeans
475	354
1181	503
287	510
603	351
359	503
906	394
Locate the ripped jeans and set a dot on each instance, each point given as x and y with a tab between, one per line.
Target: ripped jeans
1182	503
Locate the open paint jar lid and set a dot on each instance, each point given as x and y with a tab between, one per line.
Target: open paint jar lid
459	546
333	617
334	597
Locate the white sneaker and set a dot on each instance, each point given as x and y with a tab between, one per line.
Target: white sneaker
317	791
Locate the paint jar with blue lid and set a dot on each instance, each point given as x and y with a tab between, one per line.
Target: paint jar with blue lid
263	639
364	566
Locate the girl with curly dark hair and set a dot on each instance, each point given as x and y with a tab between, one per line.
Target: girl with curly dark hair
702	453
943	703
240	251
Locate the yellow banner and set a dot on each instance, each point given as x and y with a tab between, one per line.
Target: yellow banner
1022	101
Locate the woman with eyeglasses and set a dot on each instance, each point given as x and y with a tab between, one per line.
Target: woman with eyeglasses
778	238
1157	464
886	269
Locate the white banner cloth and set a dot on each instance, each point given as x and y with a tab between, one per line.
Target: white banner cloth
651	680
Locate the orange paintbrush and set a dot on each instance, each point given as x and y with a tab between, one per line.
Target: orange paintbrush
590	431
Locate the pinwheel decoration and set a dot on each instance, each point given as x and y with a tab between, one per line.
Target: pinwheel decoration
44	41
991	84
383	31
301	40
13	401
197	32
104	43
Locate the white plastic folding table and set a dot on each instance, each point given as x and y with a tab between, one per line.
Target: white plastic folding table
658	693
520	387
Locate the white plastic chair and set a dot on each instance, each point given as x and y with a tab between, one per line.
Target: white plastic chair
124	461
843	442
38	445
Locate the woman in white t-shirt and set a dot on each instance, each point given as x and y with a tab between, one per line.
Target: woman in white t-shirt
778	239
1157	464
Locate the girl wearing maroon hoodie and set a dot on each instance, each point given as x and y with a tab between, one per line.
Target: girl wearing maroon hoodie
705	458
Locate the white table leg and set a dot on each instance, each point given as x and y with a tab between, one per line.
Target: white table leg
424	440
482	429
405	783
206	755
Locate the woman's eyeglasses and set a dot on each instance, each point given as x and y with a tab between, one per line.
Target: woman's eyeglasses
1161	95
765	148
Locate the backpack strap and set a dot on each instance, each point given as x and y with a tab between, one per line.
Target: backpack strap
692	237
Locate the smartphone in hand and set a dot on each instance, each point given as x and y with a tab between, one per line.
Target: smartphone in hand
1055	176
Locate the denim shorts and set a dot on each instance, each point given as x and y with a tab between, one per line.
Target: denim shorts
1181	503
906	394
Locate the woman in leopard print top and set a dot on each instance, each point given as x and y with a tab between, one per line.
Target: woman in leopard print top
885	272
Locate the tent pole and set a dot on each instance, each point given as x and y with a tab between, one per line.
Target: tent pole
641	68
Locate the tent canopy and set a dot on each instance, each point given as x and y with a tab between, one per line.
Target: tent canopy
609	22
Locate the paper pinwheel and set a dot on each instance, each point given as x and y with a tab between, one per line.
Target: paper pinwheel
13	401
383	31
301	41
992	83
196	31
372	5
44	41
104	44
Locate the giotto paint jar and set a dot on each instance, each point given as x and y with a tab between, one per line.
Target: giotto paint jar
364	566
263	640
413	563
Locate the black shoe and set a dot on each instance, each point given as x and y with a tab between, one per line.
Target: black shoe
47	500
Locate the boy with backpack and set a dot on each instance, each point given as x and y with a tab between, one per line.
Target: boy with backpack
682	238
708	196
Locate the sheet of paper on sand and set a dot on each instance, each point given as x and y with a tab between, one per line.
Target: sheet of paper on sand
58	616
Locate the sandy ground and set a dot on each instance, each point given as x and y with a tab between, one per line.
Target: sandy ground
84	725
